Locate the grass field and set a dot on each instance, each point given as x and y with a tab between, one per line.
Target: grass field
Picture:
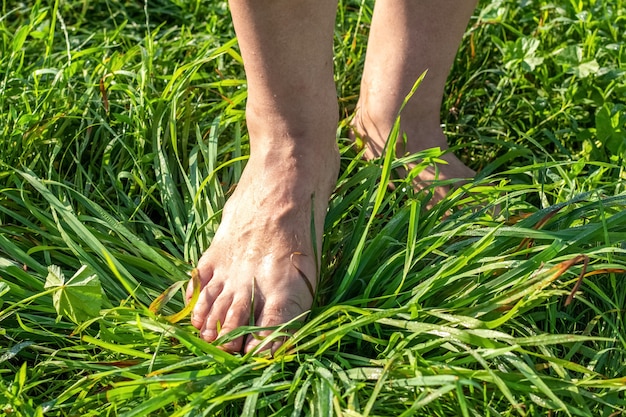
122	133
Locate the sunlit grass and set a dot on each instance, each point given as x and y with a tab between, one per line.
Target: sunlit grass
122	133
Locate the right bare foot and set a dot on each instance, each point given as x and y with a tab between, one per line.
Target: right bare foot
261	268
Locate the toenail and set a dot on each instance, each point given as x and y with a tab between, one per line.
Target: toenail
209	335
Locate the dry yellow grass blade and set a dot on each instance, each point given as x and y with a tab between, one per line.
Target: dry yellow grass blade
167	295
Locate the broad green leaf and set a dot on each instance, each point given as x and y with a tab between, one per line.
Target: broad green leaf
587	69
569	56
78	298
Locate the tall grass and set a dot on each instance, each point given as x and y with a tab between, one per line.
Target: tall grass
122	134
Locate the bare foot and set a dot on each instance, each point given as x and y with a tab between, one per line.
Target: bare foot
453	169
421	138
257	267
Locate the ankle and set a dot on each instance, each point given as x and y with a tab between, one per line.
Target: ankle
283	138
303	115
419	130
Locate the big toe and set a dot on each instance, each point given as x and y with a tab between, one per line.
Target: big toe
200	277
207	307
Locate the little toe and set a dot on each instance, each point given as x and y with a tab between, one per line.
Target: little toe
268	318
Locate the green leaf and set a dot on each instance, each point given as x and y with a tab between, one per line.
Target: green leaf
569	57
78	298
4	288
20	38
610	123
587	69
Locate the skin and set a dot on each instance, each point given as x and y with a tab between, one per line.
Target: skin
292	117
263	249
407	38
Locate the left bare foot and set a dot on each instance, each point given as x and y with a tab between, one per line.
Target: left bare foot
454	169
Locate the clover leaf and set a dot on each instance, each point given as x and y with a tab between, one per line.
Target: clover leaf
78	298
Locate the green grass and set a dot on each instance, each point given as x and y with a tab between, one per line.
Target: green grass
122	133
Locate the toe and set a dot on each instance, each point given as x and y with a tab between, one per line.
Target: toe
206	302
204	274
269	317
238	315
216	317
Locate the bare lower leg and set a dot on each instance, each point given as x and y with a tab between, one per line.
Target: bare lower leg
264	243
408	37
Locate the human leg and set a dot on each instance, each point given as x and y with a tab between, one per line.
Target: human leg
408	37
263	245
